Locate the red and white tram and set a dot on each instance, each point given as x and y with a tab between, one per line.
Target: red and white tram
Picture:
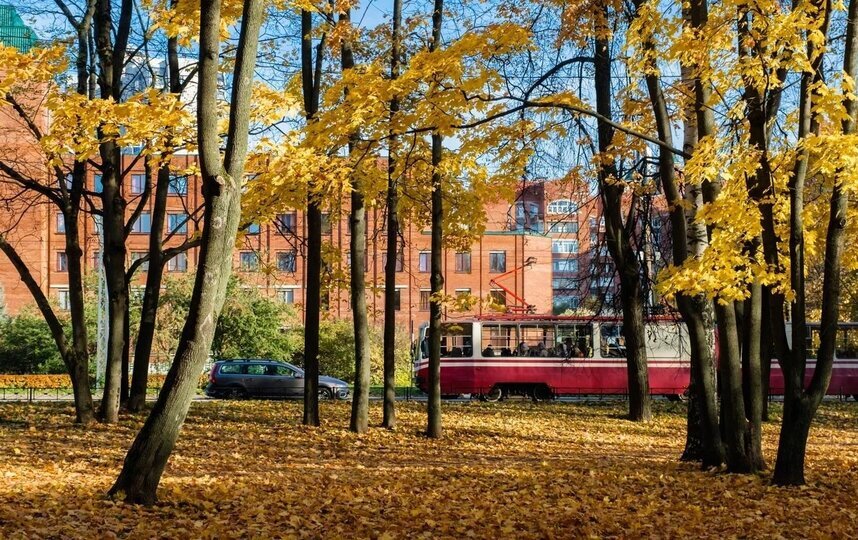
544	357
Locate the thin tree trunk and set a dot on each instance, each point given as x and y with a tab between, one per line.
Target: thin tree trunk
111	63
389	415
359	421
310	81
155	275
618	238
152	447
433	427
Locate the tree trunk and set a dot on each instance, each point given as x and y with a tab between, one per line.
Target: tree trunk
753	375
433	427
111	63
389	415
145	462
792	445
800	404
618	239
151	295
359	422
735	426
155	275
310	79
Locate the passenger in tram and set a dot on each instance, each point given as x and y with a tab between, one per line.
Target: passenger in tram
523	349
506	352
489	351
541	350
583	350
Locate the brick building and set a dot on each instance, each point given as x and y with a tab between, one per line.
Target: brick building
545	249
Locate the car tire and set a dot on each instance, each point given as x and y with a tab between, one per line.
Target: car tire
326	394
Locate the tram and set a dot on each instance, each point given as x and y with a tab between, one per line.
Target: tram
546	357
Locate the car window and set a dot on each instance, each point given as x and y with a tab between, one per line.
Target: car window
256	369
284	371
230	368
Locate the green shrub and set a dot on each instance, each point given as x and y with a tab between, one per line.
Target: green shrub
27	346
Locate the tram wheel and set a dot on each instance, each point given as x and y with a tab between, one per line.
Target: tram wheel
493	395
541	392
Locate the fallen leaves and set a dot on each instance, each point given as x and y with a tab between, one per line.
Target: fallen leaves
249	469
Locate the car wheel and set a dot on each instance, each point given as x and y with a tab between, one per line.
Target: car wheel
495	394
235	392
326	394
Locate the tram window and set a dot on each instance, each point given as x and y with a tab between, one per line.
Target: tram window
613	343
536	340
499	339
847	343
457	340
574	341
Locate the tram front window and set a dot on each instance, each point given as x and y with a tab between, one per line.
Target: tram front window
457	340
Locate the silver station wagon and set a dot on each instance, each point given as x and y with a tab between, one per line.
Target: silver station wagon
267	379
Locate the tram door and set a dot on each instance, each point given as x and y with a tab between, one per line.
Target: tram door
574	345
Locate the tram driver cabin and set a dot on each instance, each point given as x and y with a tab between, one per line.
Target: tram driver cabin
546	357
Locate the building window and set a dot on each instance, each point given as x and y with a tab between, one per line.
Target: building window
61	224
397	298
137	255
249	261
64	299
463	262
564	246
565	265
254	228
138	184
179	263
97	183
594	239
287	296
96	259
286	261
143	223
178	223
463	293
62	261
564	227
178	185
564	302
497	262
527	217
562	283
497	297
400	261
326	223
424	300
69	178
561	206
424	262
286	222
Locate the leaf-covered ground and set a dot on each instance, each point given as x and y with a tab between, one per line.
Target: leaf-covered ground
248	469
